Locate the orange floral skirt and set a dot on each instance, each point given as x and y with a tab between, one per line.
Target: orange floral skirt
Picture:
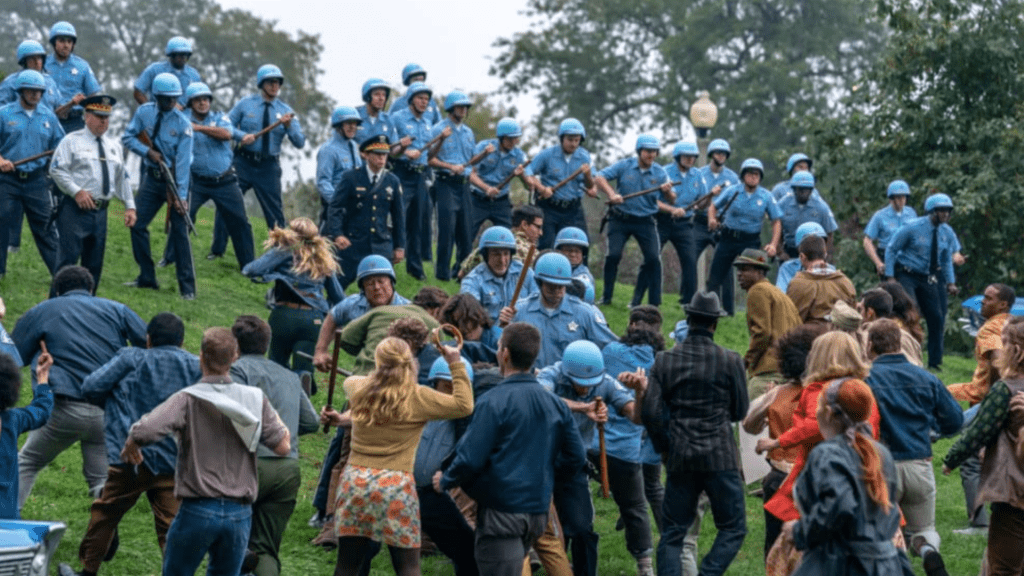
378	504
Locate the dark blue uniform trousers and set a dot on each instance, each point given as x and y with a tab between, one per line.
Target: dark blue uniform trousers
731	245
620	228
680	234
264	178
227	198
452	224
483	207
32	194
558	216
415	203
152	195
83	234
931	301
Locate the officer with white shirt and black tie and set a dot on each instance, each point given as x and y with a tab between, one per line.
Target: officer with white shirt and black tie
88	167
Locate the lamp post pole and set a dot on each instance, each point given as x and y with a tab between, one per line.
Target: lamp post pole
703	115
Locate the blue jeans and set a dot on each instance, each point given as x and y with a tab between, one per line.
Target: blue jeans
725	493
208	524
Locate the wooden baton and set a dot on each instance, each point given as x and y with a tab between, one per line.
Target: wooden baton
647	191
604	454
522	276
33	157
263	132
332	380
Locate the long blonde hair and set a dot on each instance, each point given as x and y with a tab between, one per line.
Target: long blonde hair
312	254
381	400
834	355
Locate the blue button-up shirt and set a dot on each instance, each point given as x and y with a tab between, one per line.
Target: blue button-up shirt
370	127
787	270
631	178
247	116
187	75
73	76
911	246
356	305
623	438
213	157
332	160
573	320
886	222
726	178
174	141
495	293
13	423
498	164
691	185
51	96
794	214
747	211
401	103
407	124
23	135
614	394
82	332
277	264
552	166
581	271
132	384
457	148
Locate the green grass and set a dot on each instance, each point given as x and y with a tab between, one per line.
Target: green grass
223	294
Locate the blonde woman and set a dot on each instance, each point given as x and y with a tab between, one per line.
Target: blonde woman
377	498
301	264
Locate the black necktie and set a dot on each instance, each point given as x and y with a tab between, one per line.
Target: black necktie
352	152
265	150
103	166
156	130
933	265
373	180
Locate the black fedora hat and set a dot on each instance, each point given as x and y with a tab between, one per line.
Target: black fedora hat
704	304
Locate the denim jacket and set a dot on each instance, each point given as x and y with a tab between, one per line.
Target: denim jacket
276	264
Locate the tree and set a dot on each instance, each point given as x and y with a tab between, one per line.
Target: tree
634	66
941	111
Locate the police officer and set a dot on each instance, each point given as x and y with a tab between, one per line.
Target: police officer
486	200
169	132
452	168
257	161
800	206
573	243
375	120
739	211
798	162
337	156
411	168
178	51
494	280
411	74
72	74
717	177
920	256
88	167
357	218
635	216
27	129
562	207
561	318
31	55
789	268
886	222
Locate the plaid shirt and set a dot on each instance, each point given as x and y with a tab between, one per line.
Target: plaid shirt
987	424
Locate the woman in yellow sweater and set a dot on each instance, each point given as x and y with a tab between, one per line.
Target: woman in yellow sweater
377	495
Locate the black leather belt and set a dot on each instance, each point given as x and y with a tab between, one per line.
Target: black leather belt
155	173
929	278
451	177
31	175
256	156
738	235
619	215
229	174
481	197
559	204
409	166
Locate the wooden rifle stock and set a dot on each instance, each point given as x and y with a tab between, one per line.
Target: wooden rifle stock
333	379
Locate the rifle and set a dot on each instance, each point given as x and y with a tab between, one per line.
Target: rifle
33	157
173	200
332	381
599	402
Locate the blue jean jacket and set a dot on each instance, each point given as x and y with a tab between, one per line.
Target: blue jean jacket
276	264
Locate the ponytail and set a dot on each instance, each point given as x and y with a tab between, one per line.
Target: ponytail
851	402
871	465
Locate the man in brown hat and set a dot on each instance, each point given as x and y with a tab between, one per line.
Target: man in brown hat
770	314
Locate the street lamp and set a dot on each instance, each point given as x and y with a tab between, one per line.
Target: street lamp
703	115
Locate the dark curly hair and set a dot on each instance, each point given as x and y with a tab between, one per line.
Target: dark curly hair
466	313
412	330
792	348
904	309
430	298
10	382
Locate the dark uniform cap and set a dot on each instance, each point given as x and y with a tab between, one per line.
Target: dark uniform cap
378	143
100	104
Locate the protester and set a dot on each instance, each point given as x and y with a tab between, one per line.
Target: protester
16	421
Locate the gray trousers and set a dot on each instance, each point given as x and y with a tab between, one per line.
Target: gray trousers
70	422
503	538
915	493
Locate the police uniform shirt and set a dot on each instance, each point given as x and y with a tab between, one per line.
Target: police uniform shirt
911	247
76	166
495	293
631	178
614	394
498	164
747	211
552	166
782	188
360	210
787	270
726	177
407	124
51	96
24	134
213	157
691	185
794	214
371	127
458	147
886	222
187	75
174	142
573	320
332	160
356	305
73	76
247	116
401	103
581	271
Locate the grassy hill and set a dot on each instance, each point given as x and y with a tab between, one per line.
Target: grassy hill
223	294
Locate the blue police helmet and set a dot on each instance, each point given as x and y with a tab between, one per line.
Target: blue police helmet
936	201
685	149
30	80
345	114
197	89
412	70
572	127
418	88
588	288
178	45
266	72
752	164
29	48
439	370
166	84
374	265
809	229
898	188
498	237
571	236
62	28
508	127
802	179
647	142
798	157
583	363
719	145
553	268
372	84
456	98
